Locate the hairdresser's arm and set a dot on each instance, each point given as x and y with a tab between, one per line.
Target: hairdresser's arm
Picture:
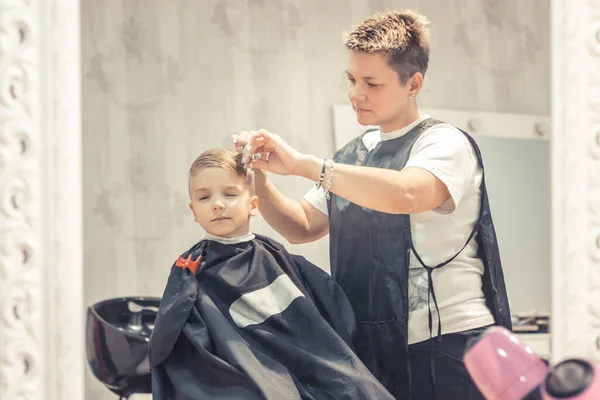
410	191
298	222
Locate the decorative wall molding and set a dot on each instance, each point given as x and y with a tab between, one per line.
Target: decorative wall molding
41	302
21	225
575	178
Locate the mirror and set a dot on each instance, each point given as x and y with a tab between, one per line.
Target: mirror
165	81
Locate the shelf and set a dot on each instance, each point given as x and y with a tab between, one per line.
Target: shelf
540	343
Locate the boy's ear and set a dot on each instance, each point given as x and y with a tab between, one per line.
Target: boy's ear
253	206
193	211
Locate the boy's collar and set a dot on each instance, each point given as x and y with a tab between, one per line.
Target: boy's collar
224	240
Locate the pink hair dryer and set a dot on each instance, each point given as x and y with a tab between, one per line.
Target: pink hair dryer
505	369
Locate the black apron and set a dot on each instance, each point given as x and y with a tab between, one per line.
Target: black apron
370	253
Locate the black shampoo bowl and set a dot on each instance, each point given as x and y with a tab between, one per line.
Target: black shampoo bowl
117	336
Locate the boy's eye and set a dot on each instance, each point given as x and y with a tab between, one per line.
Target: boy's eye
230	195
372	85
203	198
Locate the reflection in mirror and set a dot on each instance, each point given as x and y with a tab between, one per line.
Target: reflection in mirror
164	82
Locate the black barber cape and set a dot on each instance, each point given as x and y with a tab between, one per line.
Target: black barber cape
251	321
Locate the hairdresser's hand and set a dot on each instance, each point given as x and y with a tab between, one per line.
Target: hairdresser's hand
264	150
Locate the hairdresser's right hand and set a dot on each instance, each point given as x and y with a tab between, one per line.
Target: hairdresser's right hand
266	151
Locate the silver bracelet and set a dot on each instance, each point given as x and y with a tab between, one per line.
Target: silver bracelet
329	163
319	183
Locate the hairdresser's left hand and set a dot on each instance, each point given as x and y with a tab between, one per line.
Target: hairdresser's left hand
267	151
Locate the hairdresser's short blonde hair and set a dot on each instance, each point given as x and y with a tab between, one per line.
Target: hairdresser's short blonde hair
403	36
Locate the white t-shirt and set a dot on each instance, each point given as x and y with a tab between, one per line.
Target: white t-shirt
440	233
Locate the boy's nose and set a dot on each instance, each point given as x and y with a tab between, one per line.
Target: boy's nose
217	205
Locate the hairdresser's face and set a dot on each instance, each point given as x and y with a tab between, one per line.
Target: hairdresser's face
221	202
377	95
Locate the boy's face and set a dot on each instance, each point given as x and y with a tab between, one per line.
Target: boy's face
221	202
377	95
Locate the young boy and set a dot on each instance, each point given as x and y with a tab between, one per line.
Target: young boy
241	318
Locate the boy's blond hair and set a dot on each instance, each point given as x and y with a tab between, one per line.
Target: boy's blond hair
220	158
403	36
